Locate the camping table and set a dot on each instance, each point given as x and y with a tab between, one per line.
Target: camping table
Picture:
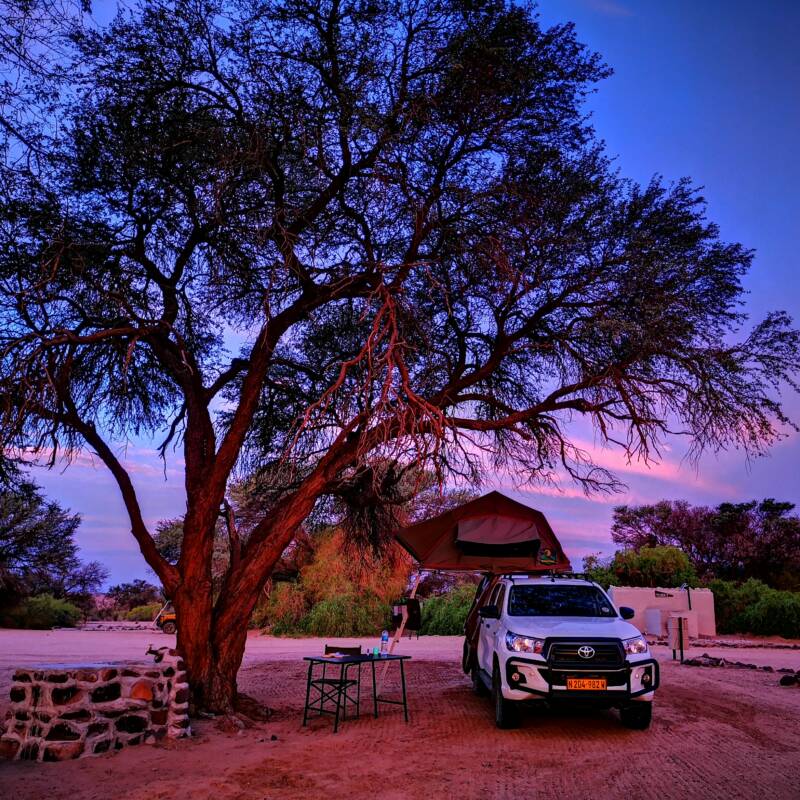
343	662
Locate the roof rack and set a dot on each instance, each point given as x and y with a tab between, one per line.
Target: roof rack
552	574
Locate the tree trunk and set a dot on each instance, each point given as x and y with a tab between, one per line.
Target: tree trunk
212	642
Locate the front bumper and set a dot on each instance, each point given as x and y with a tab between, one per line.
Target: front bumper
529	678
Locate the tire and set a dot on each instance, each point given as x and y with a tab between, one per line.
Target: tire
637	716
506	712
170	628
478	686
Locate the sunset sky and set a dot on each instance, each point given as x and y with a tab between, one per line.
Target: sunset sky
708	90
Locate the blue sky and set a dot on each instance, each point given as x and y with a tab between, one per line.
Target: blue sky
707	89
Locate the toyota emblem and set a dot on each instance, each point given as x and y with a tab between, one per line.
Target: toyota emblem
586	652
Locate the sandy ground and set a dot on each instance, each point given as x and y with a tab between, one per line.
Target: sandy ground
717	733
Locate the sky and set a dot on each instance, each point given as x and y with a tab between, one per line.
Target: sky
706	89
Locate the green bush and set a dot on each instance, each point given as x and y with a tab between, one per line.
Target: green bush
445	615
284	611
775	614
753	607
44	611
143	613
347	615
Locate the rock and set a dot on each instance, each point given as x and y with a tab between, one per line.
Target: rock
273	738
131	723
102	747
59	677
83	715
142	690
107	693
63	751
20	676
159	717
109	674
9	747
62	732
97	727
182	696
17	695
788	680
65	695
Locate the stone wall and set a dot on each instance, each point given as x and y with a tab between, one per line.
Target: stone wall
60	712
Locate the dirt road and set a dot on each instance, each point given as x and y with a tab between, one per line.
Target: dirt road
716	734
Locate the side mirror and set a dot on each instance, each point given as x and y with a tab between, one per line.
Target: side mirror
626	612
489	612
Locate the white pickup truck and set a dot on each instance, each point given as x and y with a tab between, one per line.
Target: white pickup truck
557	639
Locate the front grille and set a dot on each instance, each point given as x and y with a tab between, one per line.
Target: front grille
565	654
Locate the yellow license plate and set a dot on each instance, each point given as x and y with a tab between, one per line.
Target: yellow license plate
587	684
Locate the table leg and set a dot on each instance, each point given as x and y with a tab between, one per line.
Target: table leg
403	684
308	692
374	691
338	699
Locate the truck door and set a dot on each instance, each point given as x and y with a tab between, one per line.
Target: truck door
488	631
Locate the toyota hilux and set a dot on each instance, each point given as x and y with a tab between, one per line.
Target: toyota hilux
557	639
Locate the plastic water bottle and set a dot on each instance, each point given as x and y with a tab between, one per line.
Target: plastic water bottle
385	643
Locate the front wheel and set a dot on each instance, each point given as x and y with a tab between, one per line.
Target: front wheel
637	716
506	712
169	627
478	686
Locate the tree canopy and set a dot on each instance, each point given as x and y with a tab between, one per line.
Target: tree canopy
343	239
733	541
38	552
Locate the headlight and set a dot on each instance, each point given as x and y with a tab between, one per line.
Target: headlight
635	646
523	644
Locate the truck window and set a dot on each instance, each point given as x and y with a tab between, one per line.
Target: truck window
558	601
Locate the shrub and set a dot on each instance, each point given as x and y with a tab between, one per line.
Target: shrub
145	613
753	607
775	614
283	612
347	615
44	611
653	566
445	615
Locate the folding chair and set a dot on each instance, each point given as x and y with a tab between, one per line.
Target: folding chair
338	690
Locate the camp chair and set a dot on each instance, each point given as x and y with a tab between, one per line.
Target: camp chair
339	690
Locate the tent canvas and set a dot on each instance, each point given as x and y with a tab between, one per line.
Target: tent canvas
490	534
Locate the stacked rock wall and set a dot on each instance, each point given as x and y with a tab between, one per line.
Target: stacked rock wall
66	712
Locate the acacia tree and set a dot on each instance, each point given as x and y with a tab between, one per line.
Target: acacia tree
399	211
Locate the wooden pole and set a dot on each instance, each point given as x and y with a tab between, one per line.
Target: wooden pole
398	634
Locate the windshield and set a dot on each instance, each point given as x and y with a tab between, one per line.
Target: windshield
558	601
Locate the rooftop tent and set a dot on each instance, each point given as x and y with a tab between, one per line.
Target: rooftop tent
490	534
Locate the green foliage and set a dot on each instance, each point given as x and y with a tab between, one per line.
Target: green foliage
753	607
347	615
598	570
445	615
38	552
146	613
339	591
284	611
648	566
138	592
43	611
733	541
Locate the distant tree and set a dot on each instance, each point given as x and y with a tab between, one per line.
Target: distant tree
135	593
38	551
404	212
734	541
168	538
